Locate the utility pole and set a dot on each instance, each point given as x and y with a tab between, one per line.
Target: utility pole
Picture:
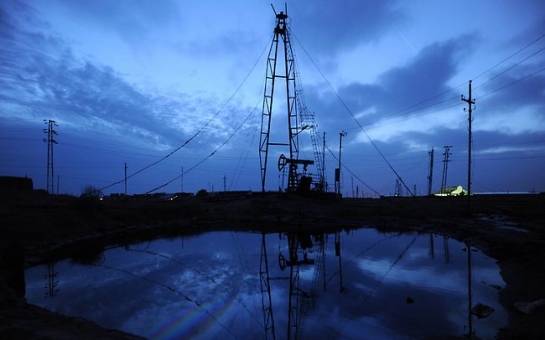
445	167
338	170
323	165
125	179
182	178
50	131
470	102
224	183
430	176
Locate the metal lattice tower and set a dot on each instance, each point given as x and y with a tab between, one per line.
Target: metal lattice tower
281	41
446	160
308	121
51	133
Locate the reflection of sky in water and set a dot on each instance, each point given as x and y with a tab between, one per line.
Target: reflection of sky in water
208	286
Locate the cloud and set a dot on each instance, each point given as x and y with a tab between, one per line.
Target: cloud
329	27
388	104
506	93
133	22
532	26
426	75
43	78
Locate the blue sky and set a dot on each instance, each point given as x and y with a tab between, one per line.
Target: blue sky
133	81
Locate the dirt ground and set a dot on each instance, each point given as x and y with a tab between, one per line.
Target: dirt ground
37	228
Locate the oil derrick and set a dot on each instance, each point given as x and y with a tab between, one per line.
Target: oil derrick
275	71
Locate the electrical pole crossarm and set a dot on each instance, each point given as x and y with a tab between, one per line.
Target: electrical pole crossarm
469	100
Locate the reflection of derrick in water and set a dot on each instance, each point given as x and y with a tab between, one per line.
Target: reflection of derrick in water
52	282
300	301
445	247
266	301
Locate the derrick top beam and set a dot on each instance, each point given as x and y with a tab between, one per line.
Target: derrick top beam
281	24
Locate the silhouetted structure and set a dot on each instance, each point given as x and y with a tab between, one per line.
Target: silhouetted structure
470	102
11	184
446	160
300	301
430	176
51	133
284	68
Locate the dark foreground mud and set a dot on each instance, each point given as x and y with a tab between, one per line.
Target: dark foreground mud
35	228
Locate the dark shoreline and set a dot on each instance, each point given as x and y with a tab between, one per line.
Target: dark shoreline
48	228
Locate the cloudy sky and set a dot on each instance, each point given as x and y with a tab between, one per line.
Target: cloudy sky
171	85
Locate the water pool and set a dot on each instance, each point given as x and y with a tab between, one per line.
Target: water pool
350	284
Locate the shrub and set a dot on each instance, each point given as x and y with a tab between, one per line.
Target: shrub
90	191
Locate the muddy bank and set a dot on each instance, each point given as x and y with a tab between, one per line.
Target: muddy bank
45	228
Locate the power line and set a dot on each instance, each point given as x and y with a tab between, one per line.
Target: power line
414	107
199	131
354	118
172	289
207	157
353	174
241	161
405	110
509	57
509	158
513	82
510	68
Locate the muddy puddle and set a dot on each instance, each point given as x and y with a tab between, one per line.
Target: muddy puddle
226	285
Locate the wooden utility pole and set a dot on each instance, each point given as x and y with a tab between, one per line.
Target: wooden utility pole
430	176
338	170
470	102
125	179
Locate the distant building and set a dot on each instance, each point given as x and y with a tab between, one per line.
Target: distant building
9	184
452	191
